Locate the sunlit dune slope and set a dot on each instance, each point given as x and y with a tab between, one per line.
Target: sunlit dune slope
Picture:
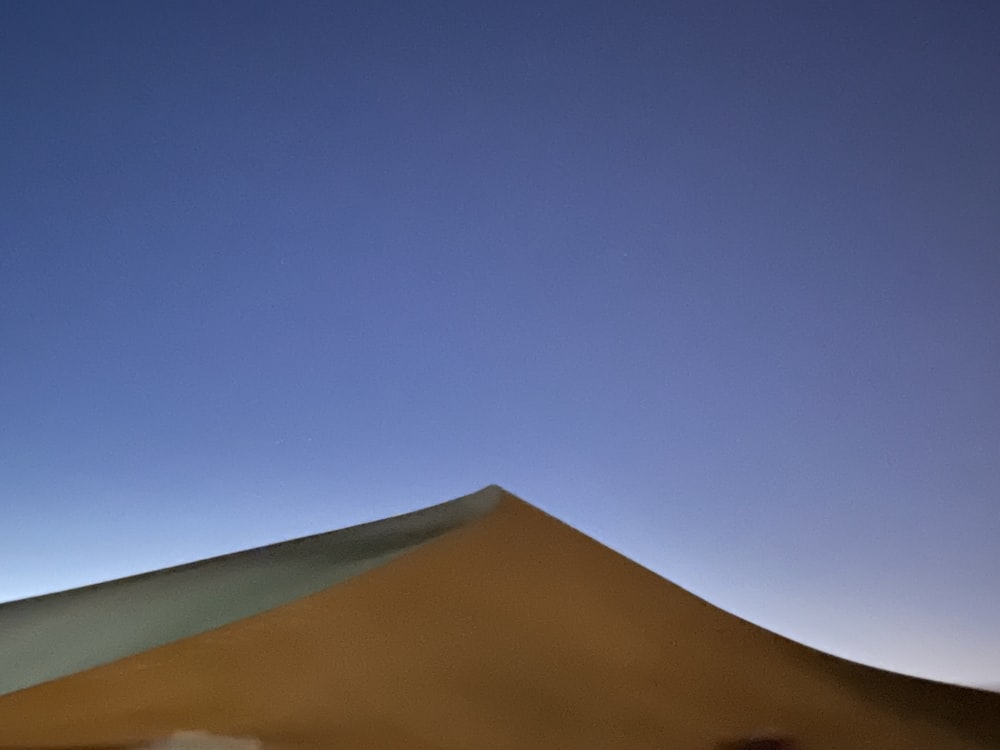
52	636
510	630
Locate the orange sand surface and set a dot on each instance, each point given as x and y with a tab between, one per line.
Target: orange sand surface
511	631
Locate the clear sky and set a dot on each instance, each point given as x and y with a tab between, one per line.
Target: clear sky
715	282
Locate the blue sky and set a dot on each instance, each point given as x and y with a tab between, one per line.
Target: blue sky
716	283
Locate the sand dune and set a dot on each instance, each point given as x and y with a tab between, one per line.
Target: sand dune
507	629
47	637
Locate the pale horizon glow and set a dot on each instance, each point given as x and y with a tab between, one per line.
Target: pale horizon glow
715	284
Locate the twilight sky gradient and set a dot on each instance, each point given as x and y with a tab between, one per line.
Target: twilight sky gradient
715	282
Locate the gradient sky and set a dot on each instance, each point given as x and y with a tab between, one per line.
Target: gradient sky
717	283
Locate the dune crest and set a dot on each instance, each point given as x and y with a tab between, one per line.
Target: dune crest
507	630
48	637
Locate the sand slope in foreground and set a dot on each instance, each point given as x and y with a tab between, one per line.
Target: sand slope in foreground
510	631
48	637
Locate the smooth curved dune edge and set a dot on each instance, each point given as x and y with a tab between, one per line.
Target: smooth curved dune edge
52	636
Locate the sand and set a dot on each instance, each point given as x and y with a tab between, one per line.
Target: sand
509	630
48	637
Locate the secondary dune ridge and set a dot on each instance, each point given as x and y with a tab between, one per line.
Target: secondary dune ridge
507	629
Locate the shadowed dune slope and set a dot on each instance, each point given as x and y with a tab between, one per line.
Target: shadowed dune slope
47	637
511	630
